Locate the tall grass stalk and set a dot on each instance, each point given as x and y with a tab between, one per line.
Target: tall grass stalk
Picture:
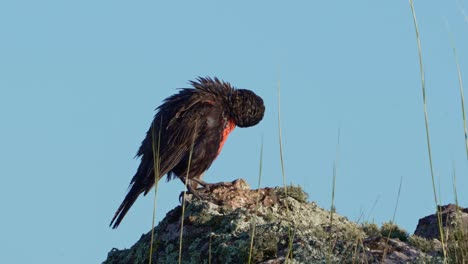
256	203
460	84
280	133
462	227
332	206
393	219
156	169
398	199
462	249
454	183
460	6
373	207
290	234
185	196
423	86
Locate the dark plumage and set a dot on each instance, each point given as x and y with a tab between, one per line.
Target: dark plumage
203	115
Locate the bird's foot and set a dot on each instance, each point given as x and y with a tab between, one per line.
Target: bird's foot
192	191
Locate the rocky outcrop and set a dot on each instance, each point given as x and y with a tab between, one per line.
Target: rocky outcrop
268	225
455	233
452	218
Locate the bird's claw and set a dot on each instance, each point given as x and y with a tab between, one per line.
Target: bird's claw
192	191
205	187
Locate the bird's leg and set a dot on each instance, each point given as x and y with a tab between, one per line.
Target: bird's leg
195	192
190	189
198	180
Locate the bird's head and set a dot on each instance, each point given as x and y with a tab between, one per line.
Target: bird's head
246	107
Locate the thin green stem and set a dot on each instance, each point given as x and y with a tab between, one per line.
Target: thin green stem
462	227
454	183
398	199
290	236
393	218
156	169
423	86
373	207
332	207
185	195
462	10
281	141
460	84
256	203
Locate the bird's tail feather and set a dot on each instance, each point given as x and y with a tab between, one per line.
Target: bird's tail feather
140	183
130	198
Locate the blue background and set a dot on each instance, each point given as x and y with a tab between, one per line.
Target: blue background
79	81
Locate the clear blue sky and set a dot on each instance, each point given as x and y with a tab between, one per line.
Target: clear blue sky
79	82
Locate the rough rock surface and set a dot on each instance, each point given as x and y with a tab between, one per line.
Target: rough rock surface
451	218
284	224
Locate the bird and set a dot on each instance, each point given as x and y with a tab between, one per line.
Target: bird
187	133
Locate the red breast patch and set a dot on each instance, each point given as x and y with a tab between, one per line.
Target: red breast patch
228	129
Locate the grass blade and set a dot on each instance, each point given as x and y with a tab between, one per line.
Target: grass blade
185	195
280	133
423	86
256	203
156	168
332	207
290	233
460	84
462	10
393	218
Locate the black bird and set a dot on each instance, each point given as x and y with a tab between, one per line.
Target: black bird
191	125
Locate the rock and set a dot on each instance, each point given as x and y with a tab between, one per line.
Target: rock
455	229
451	219
284	224
392	251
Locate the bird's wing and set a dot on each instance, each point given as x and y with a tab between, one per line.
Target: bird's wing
175	126
183	130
